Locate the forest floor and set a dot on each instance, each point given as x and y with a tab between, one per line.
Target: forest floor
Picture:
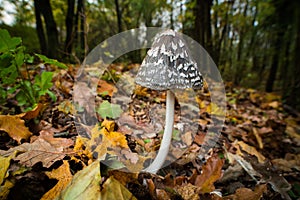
53	151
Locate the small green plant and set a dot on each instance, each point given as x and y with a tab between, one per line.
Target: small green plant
14	73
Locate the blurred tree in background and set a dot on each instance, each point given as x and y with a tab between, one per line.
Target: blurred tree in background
255	43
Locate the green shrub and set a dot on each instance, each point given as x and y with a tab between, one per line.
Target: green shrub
14	60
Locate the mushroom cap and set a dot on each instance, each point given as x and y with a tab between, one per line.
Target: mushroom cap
169	65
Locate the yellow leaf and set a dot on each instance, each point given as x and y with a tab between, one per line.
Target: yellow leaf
107	130
112	189
63	175
117	139
246	193
251	150
4	165
67	107
32	113
258	138
81	147
15	127
141	91
5	189
108	125
84	185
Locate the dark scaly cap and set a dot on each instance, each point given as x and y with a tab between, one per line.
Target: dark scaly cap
169	65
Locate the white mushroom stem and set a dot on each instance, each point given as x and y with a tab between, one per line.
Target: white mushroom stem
166	140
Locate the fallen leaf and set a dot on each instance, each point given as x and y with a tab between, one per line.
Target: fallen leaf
39	151
15	127
112	189
5	189
292	132
246	193
110	110
104	87
258	138
63	175
4	165
115	138
211	172
290	162
84	185
188	191
162	195
84	97
67	107
47	135
251	150
31	114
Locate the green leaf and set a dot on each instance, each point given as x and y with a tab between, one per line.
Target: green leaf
19	58
51	61
52	95
44	81
10	73
107	109
8	43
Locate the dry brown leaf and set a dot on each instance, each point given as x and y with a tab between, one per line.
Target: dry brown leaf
188	191
67	107
258	138
123	177
32	113
245	193
103	87
83	94
290	162
251	150
63	175
40	151
162	195
292	132
47	135
211	172
15	127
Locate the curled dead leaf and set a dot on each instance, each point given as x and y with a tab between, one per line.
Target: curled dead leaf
211	172
15	127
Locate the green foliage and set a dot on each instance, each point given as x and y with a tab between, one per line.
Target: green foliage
110	110
13	64
27	33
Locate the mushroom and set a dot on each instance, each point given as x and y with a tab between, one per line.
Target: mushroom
168	65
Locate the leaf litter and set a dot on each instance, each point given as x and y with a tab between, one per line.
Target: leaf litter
256	157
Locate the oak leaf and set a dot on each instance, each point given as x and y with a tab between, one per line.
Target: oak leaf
63	175
15	127
211	172
41	151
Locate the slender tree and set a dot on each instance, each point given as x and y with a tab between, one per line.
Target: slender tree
69	27
119	16
44	8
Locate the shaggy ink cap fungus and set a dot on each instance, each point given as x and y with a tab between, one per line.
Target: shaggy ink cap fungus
168	65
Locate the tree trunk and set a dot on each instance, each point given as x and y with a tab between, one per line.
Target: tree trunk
82	30
79	27
39	28
119	16
69	27
203	23
274	65
293	99
52	34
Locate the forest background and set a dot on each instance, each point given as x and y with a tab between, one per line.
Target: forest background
255	43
